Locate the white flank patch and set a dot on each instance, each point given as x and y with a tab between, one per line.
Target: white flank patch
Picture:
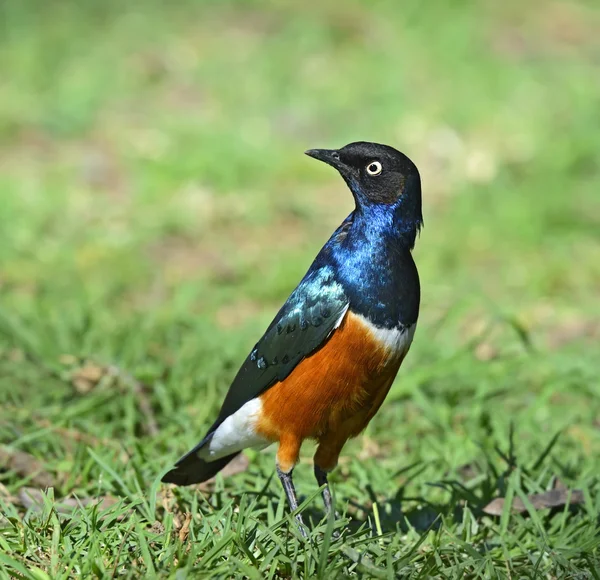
237	432
396	340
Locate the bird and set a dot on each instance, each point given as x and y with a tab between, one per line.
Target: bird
327	361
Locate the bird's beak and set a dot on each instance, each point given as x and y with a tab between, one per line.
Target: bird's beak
329	156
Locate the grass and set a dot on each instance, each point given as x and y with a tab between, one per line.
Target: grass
156	209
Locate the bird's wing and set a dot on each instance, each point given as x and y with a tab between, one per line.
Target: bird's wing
308	318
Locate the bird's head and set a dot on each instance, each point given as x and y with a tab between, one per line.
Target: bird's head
378	176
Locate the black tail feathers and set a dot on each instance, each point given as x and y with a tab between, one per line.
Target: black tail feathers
191	469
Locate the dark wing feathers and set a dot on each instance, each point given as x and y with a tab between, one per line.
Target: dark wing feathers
308	318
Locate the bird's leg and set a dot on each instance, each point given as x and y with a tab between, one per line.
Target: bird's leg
290	492
325	460
321	476
287	457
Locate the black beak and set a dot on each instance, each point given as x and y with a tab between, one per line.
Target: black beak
329	156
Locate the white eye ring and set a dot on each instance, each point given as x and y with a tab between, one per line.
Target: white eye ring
374	168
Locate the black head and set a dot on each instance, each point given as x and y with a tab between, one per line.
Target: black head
377	175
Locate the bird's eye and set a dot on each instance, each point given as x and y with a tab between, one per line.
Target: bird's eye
374	168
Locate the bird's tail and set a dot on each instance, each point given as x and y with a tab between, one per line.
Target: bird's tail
192	469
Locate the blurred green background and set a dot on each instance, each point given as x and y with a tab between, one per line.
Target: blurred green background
156	209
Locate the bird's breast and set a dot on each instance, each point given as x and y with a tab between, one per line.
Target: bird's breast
350	375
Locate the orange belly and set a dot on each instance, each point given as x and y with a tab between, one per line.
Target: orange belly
331	395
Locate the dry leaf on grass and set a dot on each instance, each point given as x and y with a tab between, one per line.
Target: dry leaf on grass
167	498
185	528
549	499
157	528
25	465
87	377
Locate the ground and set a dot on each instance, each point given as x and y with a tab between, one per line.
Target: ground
156	209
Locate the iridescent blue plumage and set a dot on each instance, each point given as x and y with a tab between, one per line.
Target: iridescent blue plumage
371	256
